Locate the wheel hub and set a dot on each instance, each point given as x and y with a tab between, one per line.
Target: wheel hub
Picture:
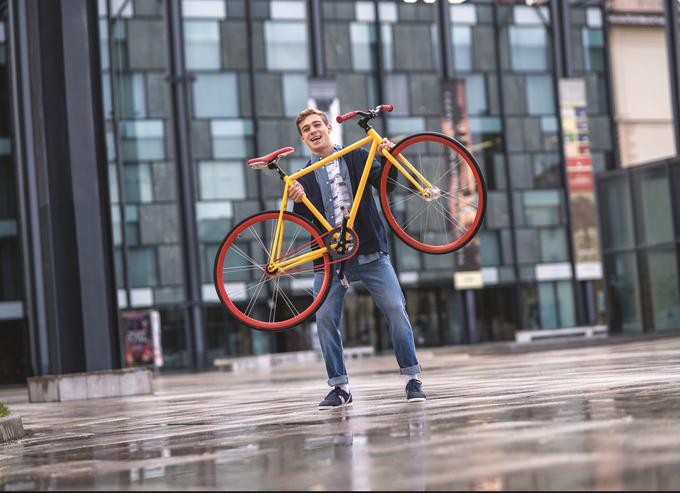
433	193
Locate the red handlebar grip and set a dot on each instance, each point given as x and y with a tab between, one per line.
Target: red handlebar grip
346	116
386	107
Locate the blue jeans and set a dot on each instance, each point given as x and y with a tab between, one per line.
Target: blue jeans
381	281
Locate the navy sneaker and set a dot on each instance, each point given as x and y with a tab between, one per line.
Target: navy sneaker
336	398
414	391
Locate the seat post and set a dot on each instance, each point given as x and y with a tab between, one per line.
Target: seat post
274	165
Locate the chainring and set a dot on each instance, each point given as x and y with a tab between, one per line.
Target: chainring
330	239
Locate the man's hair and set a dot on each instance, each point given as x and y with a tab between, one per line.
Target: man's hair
309	111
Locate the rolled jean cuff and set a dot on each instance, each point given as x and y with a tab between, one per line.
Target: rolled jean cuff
341	380
411	370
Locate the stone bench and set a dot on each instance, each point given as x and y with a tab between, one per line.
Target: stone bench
90	385
595	331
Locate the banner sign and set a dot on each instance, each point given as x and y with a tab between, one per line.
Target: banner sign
142	338
579	172
468	274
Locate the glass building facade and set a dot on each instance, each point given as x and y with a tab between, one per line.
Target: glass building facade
193	88
641	217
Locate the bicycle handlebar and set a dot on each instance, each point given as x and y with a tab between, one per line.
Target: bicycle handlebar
365	114
346	116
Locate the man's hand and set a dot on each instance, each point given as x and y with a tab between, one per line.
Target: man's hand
296	191
386	144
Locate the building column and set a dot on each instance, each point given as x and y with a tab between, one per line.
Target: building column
180	92
65	221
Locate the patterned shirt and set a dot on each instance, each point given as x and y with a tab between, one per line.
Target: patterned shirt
339	192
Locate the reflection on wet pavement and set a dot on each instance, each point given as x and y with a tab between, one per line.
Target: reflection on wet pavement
595	418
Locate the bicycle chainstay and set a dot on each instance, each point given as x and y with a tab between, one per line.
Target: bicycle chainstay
351	247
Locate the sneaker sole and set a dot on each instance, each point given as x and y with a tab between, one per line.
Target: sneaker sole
326	408
417	399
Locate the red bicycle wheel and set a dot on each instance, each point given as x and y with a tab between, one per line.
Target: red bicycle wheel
264	301
449	216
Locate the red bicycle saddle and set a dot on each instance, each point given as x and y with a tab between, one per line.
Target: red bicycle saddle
270	157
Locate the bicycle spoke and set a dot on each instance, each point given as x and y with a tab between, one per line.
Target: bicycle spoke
258	290
243	269
410	190
272	308
259	240
292	242
244	255
446	215
270	301
456	164
290	304
416	217
458	199
456	182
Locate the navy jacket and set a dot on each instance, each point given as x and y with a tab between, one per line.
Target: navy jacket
368	224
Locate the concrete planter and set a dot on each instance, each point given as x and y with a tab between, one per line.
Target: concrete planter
11	428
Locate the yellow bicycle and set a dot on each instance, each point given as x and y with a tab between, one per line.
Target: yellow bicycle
432	193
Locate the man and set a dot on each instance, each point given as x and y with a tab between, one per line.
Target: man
331	189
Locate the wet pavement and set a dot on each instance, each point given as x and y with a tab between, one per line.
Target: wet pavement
605	417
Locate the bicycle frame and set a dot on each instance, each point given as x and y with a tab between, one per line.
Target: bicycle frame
405	167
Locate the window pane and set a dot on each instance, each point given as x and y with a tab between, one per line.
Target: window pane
540	97
528	48
131	95
137	183
653	206
222	180
547	305
542	207
294	93
203	9
553	245
593	50
528	252
387	47
463	14
676	194
362	38
396	92
624	294
202	45
461	38
662	269
475	94
142	269
489	248
530	311
142	140
286	45
288	9
617	212
565	295
215	95
232	138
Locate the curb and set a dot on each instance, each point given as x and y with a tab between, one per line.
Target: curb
11	428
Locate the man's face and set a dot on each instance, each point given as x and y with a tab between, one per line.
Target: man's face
316	134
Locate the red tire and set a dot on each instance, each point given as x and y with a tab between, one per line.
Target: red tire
448	219
269	302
